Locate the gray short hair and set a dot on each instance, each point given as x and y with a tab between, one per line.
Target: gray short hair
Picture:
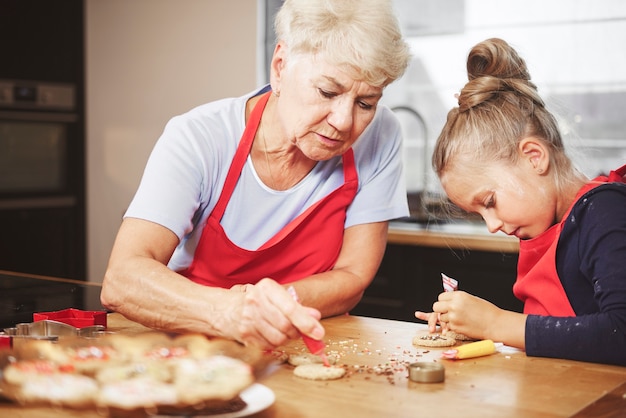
362	35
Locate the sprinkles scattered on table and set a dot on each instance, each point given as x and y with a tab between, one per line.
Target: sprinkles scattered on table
393	365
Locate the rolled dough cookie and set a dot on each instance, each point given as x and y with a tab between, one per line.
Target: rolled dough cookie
308	358
319	372
435	339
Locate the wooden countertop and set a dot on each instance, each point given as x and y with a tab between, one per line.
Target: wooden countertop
505	384
462	235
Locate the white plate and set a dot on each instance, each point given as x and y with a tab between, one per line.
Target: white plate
257	398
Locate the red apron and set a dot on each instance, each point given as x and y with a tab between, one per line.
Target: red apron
309	244
538	284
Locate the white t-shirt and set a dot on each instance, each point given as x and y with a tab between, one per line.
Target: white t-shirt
185	173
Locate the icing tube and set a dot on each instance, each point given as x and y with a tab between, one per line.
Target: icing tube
476	349
315	346
449	284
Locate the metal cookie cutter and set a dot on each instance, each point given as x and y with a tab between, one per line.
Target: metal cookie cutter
423	372
45	330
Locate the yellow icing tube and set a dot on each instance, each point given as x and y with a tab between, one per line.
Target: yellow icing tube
476	349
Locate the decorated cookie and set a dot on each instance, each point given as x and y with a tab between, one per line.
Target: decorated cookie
435	339
457	336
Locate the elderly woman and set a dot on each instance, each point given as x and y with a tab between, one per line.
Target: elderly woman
289	185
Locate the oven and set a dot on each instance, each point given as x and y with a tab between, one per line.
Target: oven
41	179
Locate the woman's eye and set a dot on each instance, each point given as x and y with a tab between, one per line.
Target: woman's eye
491	202
331	95
365	106
326	94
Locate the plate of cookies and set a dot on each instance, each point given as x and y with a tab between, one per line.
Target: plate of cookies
140	375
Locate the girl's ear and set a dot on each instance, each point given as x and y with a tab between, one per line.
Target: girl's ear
535	152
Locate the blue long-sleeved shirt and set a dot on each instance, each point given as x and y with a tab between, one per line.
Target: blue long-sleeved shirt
591	264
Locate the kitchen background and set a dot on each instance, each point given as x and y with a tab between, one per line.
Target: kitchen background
147	60
574	51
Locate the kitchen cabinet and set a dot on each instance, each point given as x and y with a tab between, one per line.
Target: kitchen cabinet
409	279
42	241
42	43
42	40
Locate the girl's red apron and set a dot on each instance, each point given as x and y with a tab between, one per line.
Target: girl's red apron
308	245
538	284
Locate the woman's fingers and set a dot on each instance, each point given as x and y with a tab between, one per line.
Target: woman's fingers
271	316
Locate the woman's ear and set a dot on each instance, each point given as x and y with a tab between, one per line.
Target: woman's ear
536	153
276	66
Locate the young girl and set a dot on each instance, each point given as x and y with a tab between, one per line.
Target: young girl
500	155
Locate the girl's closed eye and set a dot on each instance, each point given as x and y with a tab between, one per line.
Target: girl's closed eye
490	202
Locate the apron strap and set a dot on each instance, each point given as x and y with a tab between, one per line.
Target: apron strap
619	175
234	172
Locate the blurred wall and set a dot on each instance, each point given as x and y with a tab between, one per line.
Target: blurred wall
146	61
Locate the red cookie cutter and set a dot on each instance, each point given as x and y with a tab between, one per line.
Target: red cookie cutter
74	317
5	341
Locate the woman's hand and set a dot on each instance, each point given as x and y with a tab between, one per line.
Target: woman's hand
268	316
139	285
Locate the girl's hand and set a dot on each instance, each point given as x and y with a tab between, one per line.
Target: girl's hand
477	318
460	312
431	317
466	314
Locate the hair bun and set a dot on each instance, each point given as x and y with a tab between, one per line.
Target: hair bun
496	58
494	68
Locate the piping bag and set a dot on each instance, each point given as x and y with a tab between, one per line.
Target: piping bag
475	349
449	284
315	346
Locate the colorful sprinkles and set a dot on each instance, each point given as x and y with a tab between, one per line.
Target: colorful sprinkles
393	363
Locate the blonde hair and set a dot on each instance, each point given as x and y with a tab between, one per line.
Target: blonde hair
361	35
498	107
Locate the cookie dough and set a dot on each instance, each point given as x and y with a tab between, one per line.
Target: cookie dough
308	358
319	372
